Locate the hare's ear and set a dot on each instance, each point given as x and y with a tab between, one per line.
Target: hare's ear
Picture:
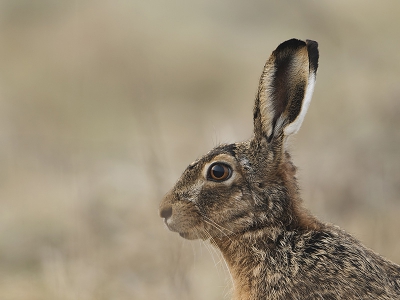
285	89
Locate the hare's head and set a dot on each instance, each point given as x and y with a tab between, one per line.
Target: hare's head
243	186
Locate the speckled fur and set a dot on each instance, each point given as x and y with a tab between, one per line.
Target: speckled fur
274	248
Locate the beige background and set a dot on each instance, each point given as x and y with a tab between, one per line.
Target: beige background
104	103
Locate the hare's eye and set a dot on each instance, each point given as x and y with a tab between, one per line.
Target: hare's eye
219	172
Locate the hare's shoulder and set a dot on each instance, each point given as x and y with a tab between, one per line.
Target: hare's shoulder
333	260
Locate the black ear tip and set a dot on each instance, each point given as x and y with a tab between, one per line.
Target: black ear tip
292	44
313	54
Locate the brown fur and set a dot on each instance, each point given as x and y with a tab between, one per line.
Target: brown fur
274	248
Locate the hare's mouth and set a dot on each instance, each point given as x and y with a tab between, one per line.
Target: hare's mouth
189	235
185	233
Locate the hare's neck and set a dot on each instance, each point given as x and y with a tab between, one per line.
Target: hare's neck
254	260
247	256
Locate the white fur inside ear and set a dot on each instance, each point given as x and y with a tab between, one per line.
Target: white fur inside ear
293	127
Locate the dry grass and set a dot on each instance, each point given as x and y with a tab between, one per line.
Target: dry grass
103	104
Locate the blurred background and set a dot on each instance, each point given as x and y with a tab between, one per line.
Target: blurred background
104	103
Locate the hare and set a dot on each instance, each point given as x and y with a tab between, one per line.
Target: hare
244	199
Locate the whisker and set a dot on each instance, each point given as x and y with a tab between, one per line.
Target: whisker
221	259
204	236
213	225
212	251
216	224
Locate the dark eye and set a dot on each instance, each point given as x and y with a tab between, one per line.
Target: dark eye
219	172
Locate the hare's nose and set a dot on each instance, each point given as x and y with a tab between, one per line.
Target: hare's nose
166	212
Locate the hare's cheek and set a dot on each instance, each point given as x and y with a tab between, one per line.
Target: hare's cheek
223	204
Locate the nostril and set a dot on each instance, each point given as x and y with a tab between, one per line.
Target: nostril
166	212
